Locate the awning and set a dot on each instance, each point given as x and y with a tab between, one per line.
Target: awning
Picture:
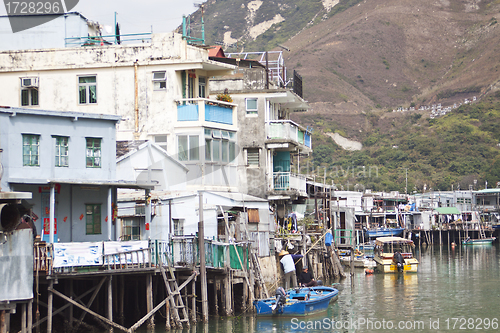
447	210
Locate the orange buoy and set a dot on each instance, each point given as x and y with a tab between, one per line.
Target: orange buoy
369	271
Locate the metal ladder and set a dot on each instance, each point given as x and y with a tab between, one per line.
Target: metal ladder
174	295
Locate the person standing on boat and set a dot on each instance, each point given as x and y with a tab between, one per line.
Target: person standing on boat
306	278
287	262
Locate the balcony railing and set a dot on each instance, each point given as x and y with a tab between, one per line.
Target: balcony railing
288	130
180	251
287	181
199	109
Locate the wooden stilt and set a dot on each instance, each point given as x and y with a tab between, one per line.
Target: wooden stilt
121	300
104	319
23	318
216	307
70	310
30	316
110	300
227	293
49	303
149	300
193	300
167	313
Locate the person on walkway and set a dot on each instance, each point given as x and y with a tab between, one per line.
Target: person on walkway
287	262
306	278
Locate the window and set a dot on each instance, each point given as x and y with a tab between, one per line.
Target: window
93	153
29	96
131	229
29	91
253	157
160	80
251	105
191	82
202	86
178	227
31	150
161	140
93	221
87	89
61	151
188	147
219	146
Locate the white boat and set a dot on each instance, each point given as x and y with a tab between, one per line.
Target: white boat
394	254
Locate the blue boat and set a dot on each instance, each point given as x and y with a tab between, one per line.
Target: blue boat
384	232
298	302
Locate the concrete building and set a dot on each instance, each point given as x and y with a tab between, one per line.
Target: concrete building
271	143
160	89
67	160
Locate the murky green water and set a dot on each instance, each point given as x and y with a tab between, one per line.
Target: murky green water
454	290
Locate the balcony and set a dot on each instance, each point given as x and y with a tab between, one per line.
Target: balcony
180	251
289	182
287	131
202	109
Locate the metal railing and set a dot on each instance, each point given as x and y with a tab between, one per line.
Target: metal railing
180	251
275	63
286	181
130	259
144	37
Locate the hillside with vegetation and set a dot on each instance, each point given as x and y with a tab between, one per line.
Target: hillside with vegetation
362	59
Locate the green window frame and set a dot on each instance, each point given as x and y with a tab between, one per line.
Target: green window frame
87	89
31	150
94	152
93	219
29	97
62	151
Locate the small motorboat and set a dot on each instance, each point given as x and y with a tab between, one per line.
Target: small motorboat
297	302
395	254
479	241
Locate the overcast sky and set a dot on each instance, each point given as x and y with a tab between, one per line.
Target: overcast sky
135	16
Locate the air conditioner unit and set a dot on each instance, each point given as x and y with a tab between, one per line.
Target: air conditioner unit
29	82
159	76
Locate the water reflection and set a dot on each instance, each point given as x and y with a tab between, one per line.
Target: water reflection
451	283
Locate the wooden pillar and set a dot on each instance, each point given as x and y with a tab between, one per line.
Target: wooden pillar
203	271
110	299
3	324
30	316
121	300
216	305
49	306
68	286
149	300
227	293
23	318
167	314
193	300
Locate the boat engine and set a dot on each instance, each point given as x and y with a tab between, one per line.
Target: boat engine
399	261
280	300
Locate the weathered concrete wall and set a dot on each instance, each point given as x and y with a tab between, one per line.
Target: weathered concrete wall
270	272
117	78
16	266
